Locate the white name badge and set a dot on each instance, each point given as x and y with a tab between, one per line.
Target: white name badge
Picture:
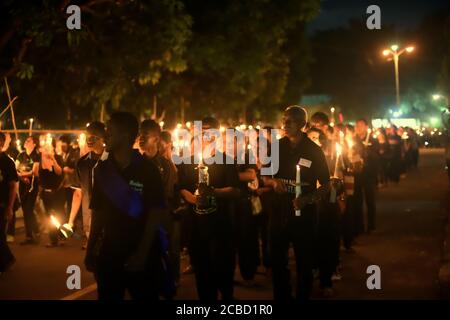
305	163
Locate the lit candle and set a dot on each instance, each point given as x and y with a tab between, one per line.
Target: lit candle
82	140
338	155
298	189
31	127
341	137
367	137
19	145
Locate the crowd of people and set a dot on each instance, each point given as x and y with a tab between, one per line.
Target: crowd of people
139	212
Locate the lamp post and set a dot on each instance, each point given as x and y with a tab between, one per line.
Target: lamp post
396	53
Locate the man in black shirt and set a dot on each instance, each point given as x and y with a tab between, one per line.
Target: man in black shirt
149	140
287	225
211	238
27	164
127	205
95	140
8	192
366	180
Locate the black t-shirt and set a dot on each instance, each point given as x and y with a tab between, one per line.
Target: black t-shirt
313	169
26	162
122	230
168	175
8	173
83	178
49	179
220	176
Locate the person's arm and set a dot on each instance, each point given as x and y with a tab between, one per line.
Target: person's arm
68	170
248	175
323	176
36	169
56	166
188	196
95	231
76	204
276	184
227	192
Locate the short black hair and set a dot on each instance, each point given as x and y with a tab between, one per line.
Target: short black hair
320	117
35	140
151	125
97	128
212	122
127	122
166	136
362	120
297	111
65	138
314	129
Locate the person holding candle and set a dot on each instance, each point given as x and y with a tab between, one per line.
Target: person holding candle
27	165
211	246
287	226
366	180
82	185
50	183
327	235
149	143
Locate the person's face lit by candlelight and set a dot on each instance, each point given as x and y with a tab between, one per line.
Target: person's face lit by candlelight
149	142
29	145
361	128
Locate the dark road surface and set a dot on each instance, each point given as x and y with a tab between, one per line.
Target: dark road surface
406	247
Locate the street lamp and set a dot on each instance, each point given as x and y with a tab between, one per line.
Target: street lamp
332	113
395	53
437	97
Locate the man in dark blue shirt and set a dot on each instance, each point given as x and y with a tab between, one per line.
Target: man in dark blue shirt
127	205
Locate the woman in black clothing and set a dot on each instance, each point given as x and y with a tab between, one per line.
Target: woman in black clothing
27	165
385	158
52	193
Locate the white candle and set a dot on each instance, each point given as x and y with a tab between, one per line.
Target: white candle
298	189
31	126
367	136
338	155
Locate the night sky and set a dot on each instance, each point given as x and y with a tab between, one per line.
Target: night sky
404	14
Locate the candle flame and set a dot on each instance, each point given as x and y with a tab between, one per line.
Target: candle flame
338	149
55	221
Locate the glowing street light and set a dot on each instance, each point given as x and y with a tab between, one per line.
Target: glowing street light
395	53
437	97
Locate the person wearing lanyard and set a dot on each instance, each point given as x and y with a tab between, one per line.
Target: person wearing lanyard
211	237
27	165
288	225
95	140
